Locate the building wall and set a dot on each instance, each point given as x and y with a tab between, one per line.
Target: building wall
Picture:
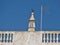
29	38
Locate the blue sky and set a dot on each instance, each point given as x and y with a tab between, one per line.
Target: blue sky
14	14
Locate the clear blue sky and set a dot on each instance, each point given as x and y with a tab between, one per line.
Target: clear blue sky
14	14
